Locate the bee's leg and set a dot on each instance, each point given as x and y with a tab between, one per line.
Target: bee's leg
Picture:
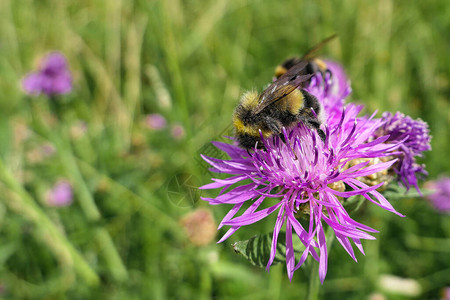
327	71
324	74
281	135
321	134
316	125
310	114
312	102
275	126
312	68
272	124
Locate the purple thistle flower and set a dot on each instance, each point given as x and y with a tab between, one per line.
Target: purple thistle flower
53	77
445	293
303	175
441	196
155	122
61	194
177	131
414	138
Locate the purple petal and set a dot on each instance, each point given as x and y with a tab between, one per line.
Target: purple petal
254	217
355	192
231	214
348	231
343	240
223	182
233	229
382	202
290	256
32	83
373	169
232	150
280	221
323	262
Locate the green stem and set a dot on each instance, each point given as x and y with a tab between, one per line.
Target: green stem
276	279
313	291
205	282
85	199
87	202
144	206
21	202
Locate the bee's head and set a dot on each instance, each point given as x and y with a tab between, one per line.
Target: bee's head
246	124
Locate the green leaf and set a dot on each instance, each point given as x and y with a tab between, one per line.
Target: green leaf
6	251
257	249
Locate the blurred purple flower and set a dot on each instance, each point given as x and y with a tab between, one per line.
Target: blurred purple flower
53	77
60	195
48	149
414	137
446	293
177	132
441	196
155	121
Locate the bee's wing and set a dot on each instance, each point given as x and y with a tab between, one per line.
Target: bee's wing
311	53
283	86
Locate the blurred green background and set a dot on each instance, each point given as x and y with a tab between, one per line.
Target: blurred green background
189	61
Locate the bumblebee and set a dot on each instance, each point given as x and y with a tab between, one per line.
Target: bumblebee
314	64
284	103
